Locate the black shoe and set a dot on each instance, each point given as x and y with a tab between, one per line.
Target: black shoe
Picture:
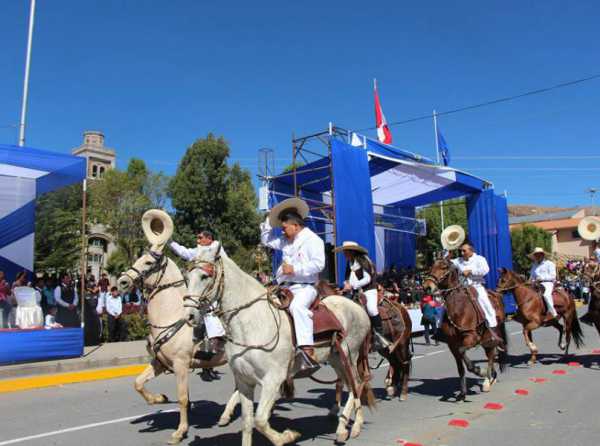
206	376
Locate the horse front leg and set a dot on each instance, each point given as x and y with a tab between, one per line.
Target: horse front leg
461	371
490	378
181	374
391	377
153	369
229	408
335	408
268	396
529	342
561	333
246	393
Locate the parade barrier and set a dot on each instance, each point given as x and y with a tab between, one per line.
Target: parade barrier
40	344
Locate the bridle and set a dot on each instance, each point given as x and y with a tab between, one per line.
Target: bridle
159	266
203	302
437	281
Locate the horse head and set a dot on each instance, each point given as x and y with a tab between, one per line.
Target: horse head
147	270
441	275
508	279
205	277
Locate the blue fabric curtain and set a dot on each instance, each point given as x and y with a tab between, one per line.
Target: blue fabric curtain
400	247
504	247
353	199
483	232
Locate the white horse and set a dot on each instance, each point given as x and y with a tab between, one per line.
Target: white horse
260	348
171	337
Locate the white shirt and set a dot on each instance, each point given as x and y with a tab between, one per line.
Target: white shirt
306	254
596	254
477	265
191	253
58	297
114	305
353	280
544	271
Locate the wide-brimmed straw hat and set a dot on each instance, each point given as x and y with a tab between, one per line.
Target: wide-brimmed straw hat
295	204
537	250
351	246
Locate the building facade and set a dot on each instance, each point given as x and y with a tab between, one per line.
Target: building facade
100	159
563	228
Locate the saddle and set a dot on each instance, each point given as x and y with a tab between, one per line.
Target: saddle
325	323
472	293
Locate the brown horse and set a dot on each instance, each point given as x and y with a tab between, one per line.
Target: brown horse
531	312
464	324
397	327
591	273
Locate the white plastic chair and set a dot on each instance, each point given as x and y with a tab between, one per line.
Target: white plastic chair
28	314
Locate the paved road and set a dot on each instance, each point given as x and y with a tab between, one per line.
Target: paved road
564	409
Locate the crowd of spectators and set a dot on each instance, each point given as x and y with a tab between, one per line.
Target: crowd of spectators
59	304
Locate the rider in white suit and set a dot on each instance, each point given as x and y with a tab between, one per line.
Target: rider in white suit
543	271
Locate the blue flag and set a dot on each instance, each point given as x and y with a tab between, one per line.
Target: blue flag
443	148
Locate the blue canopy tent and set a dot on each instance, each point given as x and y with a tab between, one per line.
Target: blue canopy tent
365	191
25	174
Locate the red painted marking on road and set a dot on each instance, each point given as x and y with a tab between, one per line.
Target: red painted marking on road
458	423
596	351
522	392
412	444
401	441
538	380
494	406
559	372
574	364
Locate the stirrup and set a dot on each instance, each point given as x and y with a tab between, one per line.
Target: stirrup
380	341
304	366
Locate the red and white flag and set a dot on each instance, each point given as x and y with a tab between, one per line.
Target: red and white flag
383	131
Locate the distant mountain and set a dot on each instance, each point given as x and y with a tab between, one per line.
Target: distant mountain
519	210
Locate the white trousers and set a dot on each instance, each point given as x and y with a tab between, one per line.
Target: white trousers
548	289
372	307
213	325
488	308
304	296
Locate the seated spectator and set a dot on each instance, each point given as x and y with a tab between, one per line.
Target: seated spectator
67	300
28	313
50	320
117	328
5	304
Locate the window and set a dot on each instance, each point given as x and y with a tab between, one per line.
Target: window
94	171
101	174
575	235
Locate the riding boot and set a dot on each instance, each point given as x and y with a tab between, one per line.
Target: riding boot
381	342
216	347
305	362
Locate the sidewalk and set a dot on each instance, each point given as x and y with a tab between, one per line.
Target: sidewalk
106	361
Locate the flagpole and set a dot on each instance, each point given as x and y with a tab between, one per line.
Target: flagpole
26	80
437	153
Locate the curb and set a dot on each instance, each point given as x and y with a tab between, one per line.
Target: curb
51	380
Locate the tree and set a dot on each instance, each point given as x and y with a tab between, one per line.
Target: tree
58	230
455	213
524	240
207	194
118	201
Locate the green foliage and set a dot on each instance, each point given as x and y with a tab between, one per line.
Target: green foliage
58	230
117	263
207	194
524	240
455	213
119	200
137	328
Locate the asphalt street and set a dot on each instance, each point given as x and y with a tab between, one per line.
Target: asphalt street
562	406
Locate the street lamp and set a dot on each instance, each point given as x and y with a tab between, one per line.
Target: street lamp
592	191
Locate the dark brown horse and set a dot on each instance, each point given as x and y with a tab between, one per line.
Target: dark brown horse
591	273
464	324
531	312
397	327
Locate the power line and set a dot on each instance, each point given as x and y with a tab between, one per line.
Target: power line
493	101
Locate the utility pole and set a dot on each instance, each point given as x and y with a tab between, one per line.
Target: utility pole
26	80
592	191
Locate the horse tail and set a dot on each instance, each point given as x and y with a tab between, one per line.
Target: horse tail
503	354
576	331
287	389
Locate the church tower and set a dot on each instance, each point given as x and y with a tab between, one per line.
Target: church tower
99	158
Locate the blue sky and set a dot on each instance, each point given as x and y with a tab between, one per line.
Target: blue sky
154	76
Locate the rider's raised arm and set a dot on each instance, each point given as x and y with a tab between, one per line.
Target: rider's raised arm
183	252
268	236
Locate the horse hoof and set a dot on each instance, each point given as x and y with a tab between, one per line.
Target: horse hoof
354	433
563	347
291	436
223	422
175	439
403	396
342	437
391	391
486	386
